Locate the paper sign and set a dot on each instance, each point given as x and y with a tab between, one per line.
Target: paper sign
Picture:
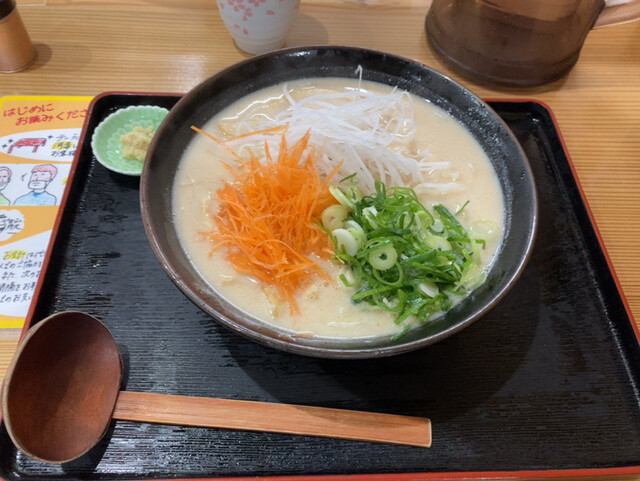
38	140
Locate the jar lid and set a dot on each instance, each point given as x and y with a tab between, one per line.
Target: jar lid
6	7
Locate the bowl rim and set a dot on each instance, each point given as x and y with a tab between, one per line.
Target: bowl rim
283	341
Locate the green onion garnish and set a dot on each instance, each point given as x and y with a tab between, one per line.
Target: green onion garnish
403	258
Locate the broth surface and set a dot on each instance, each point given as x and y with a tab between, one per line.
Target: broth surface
325	307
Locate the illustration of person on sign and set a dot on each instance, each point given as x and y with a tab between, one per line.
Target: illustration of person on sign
5	177
41	176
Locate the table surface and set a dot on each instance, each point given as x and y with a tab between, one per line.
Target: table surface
86	47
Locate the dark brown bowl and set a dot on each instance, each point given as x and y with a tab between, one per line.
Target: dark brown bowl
220	90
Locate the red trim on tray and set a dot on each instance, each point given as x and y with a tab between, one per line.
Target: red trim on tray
65	195
623	472
583	474
56	224
574	173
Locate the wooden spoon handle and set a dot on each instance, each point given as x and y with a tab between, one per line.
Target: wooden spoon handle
273	417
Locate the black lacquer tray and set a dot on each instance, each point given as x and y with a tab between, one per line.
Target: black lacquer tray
545	385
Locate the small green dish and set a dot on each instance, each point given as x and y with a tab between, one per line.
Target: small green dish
106	137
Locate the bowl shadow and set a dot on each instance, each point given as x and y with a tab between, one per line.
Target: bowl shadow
442	381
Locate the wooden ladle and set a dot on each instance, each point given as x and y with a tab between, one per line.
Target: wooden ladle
62	389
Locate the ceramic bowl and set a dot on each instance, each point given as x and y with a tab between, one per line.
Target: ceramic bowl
215	93
105	141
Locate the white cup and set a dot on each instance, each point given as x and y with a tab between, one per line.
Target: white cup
258	26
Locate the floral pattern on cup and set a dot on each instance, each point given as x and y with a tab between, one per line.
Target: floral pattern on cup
258	26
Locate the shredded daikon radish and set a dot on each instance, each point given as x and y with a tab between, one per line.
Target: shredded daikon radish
366	131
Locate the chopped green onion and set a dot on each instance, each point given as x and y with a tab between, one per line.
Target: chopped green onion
383	258
348	177
345	241
484	229
461	208
370	214
404	258
333	217
437	242
429	288
346	196
356	231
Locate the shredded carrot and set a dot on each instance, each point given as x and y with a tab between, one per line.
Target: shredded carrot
275	128
218	141
265	218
